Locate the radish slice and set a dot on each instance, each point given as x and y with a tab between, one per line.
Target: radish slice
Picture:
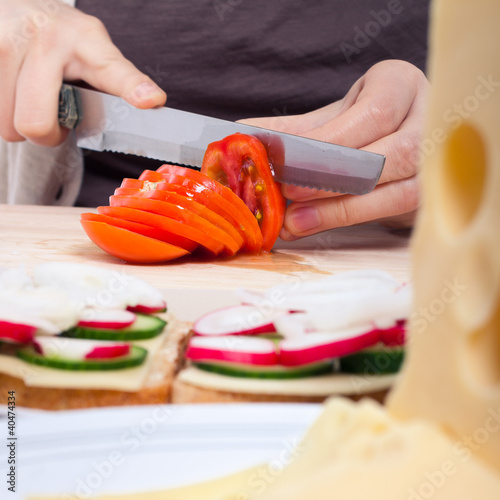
395	336
301	295
109	352
113	319
76	349
16	333
238	349
319	346
99	287
237	320
293	325
142	309
45	307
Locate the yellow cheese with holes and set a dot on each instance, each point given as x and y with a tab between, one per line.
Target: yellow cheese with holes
452	372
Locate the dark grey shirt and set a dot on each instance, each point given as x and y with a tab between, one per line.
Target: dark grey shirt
244	58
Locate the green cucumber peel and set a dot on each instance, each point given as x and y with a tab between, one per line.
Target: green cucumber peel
136	357
144	327
378	360
265	372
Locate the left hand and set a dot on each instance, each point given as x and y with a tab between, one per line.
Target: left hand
383	113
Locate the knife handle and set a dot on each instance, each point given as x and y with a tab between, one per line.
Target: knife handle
69	113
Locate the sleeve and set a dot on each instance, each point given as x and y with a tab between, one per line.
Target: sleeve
37	175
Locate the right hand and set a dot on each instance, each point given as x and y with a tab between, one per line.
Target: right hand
39	48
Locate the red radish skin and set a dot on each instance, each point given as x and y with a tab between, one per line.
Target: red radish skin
160	308
109	352
322	347
109	319
16	333
394	336
235	320
231	349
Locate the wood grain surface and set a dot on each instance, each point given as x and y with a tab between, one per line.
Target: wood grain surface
30	235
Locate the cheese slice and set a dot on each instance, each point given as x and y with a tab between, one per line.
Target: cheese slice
452	372
320	386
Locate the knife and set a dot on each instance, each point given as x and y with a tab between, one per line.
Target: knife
104	122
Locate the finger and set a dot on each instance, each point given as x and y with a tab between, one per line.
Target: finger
37	104
299	193
401	148
375	114
102	65
8	75
297	124
388	200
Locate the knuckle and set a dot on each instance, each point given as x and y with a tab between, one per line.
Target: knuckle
10	135
408	196
92	26
407	154
342	213
33	130
383	115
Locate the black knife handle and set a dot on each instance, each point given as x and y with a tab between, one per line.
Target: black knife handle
69	113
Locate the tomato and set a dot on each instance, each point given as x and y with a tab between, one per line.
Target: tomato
145	230
225	199
165	223
130	246
240	162
181	197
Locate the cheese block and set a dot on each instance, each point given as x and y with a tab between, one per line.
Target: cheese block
452	372
354	451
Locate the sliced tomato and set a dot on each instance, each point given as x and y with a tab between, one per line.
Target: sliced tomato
181	214
132	183
182	198
199	193
165	223
240	162
130	246
145	230
134	211
185	176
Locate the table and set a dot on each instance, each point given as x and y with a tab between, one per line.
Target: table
30	235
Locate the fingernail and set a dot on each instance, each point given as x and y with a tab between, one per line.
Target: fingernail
146	89
304	219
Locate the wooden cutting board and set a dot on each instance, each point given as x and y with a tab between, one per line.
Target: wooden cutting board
30	235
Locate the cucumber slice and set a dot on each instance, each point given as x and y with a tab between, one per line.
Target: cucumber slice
136	357
266	372
144	327
377	360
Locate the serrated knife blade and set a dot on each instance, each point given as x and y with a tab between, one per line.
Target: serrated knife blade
103	122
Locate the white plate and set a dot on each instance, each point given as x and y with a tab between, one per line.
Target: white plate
84	453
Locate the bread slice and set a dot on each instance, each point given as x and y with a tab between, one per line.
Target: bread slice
156	385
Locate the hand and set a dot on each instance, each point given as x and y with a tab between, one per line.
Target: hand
382	113
40	46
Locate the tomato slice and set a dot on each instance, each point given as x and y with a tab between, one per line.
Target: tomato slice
240	162
212	200
165	223
186	176
181	197
215	239
145	230
130	246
